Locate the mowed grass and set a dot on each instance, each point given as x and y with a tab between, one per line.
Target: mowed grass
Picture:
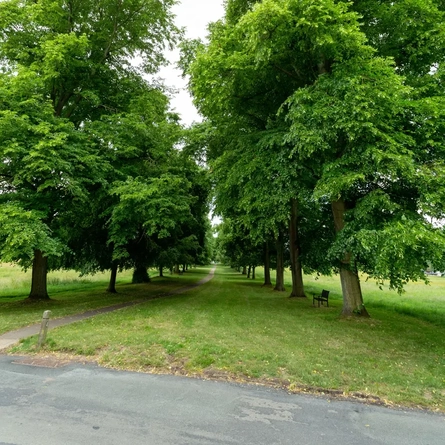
236	328
71	294
425	302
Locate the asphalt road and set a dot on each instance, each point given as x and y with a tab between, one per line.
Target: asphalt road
84	404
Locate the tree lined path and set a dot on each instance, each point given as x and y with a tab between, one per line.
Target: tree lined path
323	127
321	149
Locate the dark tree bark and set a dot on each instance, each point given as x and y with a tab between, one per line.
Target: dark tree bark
244	272
140	274
39	289
112	284
267	281
177	269
253	272
161	268
248	271
294	247
183	268
279	284
350	281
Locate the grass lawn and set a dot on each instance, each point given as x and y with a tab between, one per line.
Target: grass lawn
233	328
71	294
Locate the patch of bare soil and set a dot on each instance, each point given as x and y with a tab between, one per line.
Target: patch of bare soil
52	360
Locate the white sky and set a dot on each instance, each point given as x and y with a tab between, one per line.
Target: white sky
194	15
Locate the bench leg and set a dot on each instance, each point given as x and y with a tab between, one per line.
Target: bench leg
320	301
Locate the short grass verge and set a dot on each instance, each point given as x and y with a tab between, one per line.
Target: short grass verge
235	328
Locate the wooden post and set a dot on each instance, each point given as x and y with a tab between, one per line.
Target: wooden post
44	328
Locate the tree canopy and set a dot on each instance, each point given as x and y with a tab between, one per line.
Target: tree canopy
91	174
322	139
342	102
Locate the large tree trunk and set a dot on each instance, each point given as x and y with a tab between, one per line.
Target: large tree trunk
350	282
161	273
267	281
244	272
248	271
294	247
112	284
140	274
279	284
253	272
39	274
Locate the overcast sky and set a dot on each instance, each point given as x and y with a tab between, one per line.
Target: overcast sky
194	15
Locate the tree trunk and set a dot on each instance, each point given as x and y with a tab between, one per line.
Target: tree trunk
294	248
161	273
39	273
183	268
248	271
253	272
279	284
140	274
177	269
350	282
267	281
112	284
244	272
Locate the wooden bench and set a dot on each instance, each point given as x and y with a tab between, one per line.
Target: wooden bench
321	298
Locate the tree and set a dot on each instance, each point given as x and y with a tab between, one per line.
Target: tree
241	99
47	165
241	123
140	148
82	49
75	58
334	123
346	118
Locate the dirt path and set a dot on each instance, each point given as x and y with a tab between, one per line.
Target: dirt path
10	338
